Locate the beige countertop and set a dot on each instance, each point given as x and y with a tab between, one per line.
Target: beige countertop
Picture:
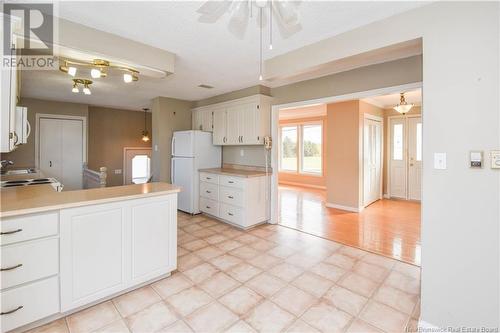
33	199
235	172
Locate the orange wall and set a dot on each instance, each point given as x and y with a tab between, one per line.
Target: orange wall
301	179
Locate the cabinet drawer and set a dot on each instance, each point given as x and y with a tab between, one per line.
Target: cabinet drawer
209	177
26	227
209	190
209	206
232	214
237	182
232	196
29	261
34	301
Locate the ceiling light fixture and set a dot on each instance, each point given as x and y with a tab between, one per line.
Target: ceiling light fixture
403	106
284	12
95	73
72	71
86	83
145	133
128	77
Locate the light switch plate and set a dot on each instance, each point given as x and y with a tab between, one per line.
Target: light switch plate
495	159
440	161
118	171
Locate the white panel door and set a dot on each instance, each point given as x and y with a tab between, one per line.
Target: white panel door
183	144
93	253
50	145
219	130
153	224
397	157
372	160
183	175
415	158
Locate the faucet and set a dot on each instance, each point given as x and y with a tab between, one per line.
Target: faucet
4	163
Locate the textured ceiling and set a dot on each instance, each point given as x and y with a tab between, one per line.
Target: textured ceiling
205	53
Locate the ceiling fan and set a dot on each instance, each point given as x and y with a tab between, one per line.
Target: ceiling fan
285	12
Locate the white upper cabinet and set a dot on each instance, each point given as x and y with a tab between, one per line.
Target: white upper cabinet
245	121
8	102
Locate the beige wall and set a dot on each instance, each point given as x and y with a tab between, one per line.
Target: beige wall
169	115
110	130
24	155
387	141
252	155
304	179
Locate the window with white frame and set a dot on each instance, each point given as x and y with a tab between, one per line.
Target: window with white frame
301	148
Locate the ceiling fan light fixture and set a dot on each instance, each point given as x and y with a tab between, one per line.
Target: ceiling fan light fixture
403	106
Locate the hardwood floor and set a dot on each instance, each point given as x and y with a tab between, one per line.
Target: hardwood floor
387	227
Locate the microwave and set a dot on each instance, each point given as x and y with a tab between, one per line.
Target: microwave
23	127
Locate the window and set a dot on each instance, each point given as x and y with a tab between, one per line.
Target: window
311	148
306	157
397	149
141	169
289	148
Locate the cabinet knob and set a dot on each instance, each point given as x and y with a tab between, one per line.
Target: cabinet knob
208	191
208	207
230	182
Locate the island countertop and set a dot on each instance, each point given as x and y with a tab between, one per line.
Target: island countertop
235	172
34	199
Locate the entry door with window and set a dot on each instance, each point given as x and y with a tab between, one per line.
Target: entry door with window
406	158
61	151
137	165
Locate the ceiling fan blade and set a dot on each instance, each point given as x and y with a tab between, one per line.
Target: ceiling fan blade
287	17
211	11
239	21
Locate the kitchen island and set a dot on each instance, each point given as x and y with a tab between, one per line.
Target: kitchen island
64	251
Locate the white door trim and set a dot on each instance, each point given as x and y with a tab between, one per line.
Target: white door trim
124	166
405	150
333	99
39	116
381	121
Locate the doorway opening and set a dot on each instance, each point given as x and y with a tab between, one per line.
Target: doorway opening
349	170
136	165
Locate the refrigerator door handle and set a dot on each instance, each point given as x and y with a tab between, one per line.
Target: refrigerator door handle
173	145
172	171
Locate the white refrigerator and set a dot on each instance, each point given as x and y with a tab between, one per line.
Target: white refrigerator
191	151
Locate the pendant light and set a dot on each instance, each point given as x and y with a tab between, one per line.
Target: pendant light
145	133
403	106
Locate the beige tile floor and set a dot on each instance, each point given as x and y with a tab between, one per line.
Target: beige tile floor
268	279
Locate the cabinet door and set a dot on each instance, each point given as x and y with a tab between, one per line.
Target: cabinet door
219	122
249	122
154	231
206	120
93	253
197	120
233	116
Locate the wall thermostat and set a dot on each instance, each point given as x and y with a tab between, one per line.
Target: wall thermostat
495	159
476	159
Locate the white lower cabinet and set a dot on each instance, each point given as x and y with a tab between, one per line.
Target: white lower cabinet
241	201
112	247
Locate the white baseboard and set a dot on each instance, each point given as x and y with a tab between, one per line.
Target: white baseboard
386	196
301	185
427	326
341	207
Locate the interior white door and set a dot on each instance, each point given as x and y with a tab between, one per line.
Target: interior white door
137	165
372	158
415	158
182	175
397	172
61	150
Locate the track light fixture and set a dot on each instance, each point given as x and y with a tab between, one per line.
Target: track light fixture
85	83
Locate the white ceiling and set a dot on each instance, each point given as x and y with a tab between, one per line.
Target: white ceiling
205	53
388	101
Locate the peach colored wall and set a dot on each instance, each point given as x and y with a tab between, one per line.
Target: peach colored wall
342	180
301	179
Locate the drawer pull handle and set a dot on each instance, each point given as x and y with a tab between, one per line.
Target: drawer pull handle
10	268
10	232
208	191
208	207
230	182
230	197
11	311
208	178
230	214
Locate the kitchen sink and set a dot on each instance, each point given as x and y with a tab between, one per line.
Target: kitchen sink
17	171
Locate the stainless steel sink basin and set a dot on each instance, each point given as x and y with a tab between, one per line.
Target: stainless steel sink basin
17	171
